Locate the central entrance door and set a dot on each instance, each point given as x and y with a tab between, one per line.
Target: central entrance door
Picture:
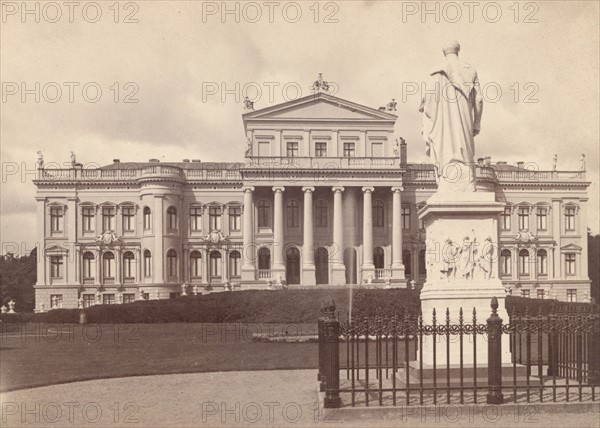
292	265
322	266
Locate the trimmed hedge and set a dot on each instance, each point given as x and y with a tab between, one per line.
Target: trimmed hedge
533	307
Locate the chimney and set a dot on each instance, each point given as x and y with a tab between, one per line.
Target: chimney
196	160
403	151
488	160
501	163
153	161
116	160
480	161
186	161
520	164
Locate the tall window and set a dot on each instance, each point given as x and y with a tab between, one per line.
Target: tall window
214	218
56	267
523	218
195	219
147	263
108	266
405	218
128	297
108	299
407	261
570	263
422	264
171	263
524	262
234	264
540	293
215	264
505	262
320	150
264	214
108	219
506	219
171	218
56	219
147	218
293	214
128	217
292	149
87	219
235	219
264	258
321	213
128	265
349	150
88	265
542	218
378	220
196	264
542	262
571	295
88	300
525	293
56	301
570	218
378	258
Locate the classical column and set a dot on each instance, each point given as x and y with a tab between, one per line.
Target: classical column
72	238
308	251
368	268
397	265
41	239
278	267
248	265
158	256
204	266
338	269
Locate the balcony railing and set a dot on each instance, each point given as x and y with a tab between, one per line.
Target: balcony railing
321	162
383	273
263	274
132	174
490	173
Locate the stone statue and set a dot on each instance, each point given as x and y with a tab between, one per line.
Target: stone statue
11	306
554	162
73	160
248	104
196	290
98	297
40	160
54	302
108	237
582	163
486	258
467	256
80	302
4	309
141	291
184	289
449	258
248	152
451	119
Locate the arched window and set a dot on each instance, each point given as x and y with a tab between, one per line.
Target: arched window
171	263
264	214
195	264
88	265
215	264
422	265
147	218
172	218
321	213
407	260
378	214
505	262
378	257
523	262
235	264
542	262
264	258
128	266
147	263
108	266
293	213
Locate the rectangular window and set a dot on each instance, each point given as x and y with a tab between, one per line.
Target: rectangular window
540	293
56	266
349	150
542	262
525	293
235	219
377	150
88	268
88	216
147	218
570	263
523	218
320	150
147	264
293	214
88	300
234	267
292	149
128	297
378	219
56	219
406	218
570	219
108	299
542	217
571	295
56	301
506	219
524	264
195	219
128	217
214	219
108	219
505	263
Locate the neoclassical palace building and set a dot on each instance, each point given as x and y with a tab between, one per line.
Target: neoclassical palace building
326	195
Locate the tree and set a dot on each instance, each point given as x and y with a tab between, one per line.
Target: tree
594	265
17	277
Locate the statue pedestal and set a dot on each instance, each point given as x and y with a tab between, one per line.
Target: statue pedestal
462	272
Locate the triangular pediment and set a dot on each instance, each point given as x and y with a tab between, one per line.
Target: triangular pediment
571	247
319	107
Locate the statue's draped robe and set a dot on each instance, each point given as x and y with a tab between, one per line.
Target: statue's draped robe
452	107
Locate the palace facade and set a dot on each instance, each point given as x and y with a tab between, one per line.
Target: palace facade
326	196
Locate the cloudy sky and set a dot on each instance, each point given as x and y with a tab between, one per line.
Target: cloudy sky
538	62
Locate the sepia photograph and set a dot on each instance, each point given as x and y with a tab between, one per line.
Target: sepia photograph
300	213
